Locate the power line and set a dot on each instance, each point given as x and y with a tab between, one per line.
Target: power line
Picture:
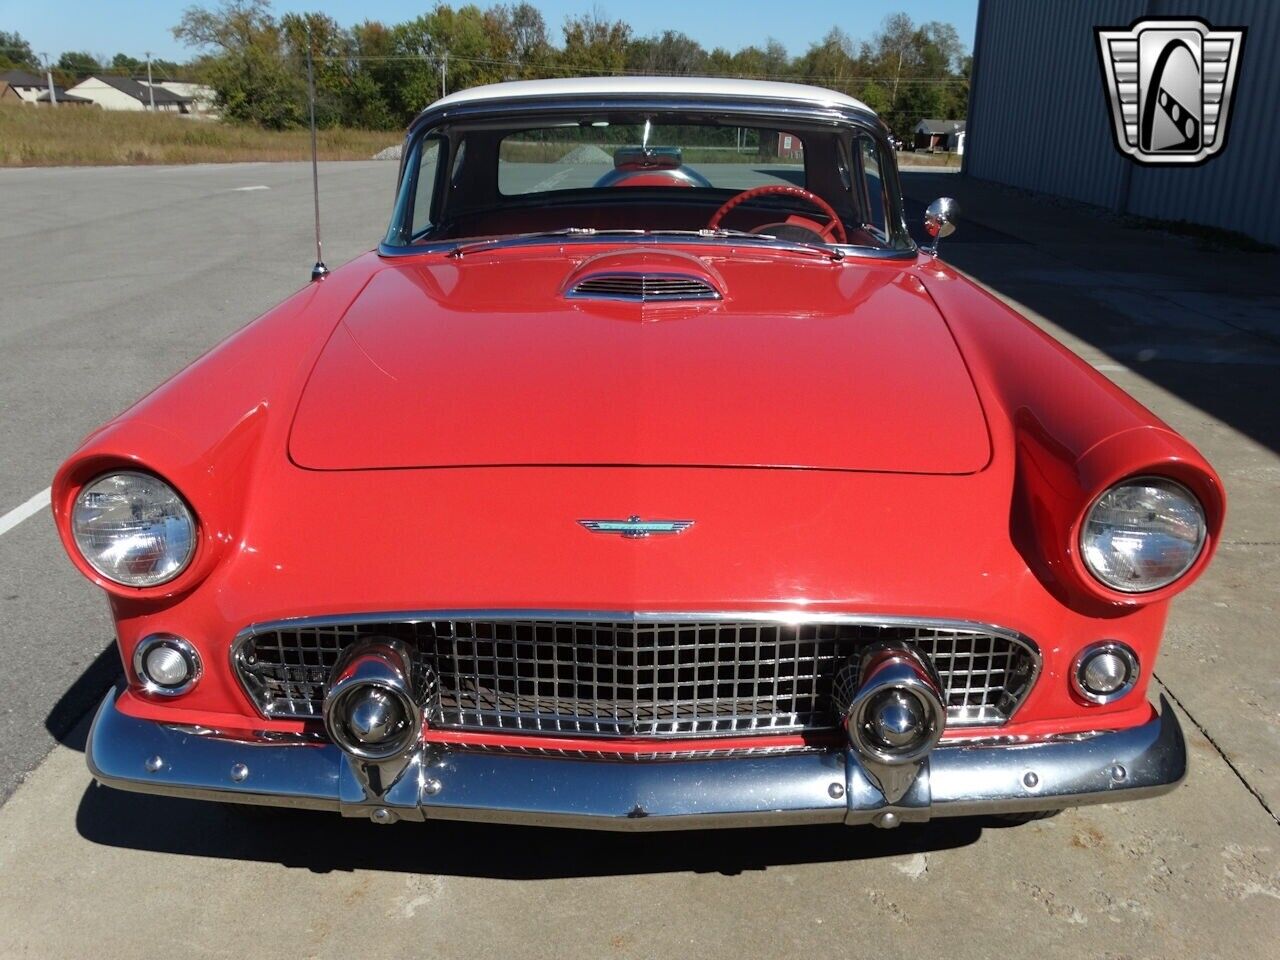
552	67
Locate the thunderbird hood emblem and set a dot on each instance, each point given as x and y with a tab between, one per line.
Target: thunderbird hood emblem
633	528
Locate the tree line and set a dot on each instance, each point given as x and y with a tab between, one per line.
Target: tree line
74	65
379	76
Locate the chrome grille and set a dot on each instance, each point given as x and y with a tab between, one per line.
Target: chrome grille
647	675
643	287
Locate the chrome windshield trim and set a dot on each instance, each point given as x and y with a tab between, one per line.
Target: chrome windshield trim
753	106
833	252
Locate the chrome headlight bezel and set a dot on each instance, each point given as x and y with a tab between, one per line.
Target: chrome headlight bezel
1085	542
175	510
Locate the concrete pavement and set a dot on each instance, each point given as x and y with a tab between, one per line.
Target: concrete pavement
112	279
88	872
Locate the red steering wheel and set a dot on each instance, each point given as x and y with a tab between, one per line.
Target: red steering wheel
833	230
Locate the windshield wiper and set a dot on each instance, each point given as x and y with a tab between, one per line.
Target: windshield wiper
494	243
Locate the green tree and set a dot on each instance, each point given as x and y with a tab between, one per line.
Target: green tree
78	65
919	70
379	75
331	49
248	69
671	54
526	33
830	61
16	53
127	66
769	62
594	45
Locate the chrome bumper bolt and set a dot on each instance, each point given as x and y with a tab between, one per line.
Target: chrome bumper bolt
239	772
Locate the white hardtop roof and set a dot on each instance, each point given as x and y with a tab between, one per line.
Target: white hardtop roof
660	86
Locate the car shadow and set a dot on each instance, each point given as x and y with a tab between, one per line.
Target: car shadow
1197	316
67	722
326	842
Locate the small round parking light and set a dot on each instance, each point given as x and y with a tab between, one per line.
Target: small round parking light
166	665
1105	672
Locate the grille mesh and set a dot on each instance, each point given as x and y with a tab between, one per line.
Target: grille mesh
636	678
643	287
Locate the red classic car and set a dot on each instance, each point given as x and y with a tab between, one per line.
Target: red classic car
647	475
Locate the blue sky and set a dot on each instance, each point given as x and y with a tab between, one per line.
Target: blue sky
135	26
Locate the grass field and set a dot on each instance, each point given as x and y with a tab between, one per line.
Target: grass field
909	158
77	136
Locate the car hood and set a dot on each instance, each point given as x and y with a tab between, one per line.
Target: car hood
489	359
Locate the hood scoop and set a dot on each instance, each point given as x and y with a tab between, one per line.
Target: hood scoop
642	288
644	276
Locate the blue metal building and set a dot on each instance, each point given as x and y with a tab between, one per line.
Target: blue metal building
1039	116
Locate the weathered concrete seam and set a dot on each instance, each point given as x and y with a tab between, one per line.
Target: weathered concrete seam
1222	753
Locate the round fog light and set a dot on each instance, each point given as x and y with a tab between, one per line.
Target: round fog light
166	665
896	720
375	716
1105	672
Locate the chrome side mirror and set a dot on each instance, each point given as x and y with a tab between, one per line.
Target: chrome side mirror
940	221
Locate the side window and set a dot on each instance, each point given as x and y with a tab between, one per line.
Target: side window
424	191
877	218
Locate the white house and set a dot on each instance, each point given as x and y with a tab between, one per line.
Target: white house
203	97
933	134
18	85
122	93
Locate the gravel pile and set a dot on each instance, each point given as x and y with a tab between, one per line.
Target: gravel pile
391	153
587	153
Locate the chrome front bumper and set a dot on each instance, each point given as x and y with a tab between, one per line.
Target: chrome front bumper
972	779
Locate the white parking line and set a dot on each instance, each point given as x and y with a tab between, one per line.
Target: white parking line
21	512
260	186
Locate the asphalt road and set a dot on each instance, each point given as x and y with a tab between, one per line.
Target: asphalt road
112	279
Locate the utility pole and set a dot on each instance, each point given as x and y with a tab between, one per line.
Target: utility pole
48	76
444	73
151	90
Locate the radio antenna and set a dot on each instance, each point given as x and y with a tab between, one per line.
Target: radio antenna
319	271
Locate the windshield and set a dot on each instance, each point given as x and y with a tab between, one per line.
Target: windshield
811	183
601	156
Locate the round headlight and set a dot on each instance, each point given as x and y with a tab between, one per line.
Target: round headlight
133	529
1142	534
